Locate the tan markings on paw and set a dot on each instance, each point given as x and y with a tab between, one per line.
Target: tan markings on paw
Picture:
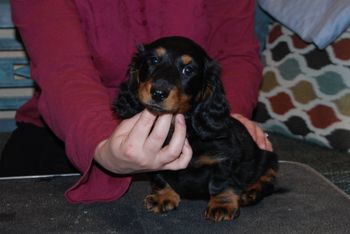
162	201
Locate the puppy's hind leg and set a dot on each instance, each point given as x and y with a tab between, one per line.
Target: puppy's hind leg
257	191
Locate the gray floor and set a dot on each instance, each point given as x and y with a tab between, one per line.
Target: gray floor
310	204
332	164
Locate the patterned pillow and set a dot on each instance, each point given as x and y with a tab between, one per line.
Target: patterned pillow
306	91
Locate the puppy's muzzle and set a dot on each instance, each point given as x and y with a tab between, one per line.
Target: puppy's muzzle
159	94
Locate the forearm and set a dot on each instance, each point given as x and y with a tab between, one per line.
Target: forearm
72	101
234	45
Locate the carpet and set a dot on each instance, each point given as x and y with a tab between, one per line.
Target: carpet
311	205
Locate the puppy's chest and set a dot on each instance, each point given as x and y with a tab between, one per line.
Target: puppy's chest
194	180
207	158
210	153
206	153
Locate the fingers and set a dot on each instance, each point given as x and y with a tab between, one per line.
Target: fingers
255	132
175	147
183	160
262	139
159	132
137	144
179	136
249	125
126	125
269	146
142	127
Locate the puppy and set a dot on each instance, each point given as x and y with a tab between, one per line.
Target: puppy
175	75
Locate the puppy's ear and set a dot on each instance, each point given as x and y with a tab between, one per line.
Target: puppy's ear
210	118
136	62
127	103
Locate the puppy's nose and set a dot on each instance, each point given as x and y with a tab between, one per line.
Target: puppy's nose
159	95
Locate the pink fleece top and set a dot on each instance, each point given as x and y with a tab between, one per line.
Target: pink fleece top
79	52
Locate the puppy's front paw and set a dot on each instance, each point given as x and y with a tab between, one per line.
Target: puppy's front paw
162	201
223	207
221	213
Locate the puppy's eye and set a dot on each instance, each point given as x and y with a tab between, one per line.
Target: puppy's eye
188	70
154	60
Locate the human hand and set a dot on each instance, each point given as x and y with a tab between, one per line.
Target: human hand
256	132
136	145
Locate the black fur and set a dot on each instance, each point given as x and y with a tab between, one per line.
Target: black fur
237	161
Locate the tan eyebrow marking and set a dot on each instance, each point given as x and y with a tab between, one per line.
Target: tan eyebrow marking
186	59
160	51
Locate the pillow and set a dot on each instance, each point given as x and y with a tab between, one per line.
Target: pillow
306	91
317	21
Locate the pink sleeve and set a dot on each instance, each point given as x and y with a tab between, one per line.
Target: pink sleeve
233	44
73	101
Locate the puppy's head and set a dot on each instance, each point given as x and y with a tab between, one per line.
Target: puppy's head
170	73
174	75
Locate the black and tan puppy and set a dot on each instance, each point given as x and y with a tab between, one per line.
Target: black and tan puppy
175	75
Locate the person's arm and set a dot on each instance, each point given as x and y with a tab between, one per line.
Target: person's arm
77	107
232	42
72	102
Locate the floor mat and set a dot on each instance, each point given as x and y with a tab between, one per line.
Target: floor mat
310	205
332	164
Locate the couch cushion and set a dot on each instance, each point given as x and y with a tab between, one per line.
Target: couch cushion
306	91
320	21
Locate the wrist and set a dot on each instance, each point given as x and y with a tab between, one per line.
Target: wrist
101	152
